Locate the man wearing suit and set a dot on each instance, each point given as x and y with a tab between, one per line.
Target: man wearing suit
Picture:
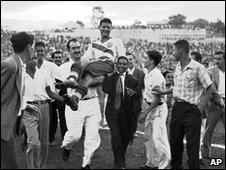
216	109
139	75
12	88
122	89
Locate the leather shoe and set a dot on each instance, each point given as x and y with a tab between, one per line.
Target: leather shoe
86	167
65	154
71	101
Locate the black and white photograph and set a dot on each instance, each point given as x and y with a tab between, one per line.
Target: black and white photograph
112	84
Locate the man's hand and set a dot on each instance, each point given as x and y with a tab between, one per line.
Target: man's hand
157	90
130	91
201	107
32	109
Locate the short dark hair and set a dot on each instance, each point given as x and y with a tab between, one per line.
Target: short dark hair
21	40
71	40
105	20
184	44
122	57
39	43
198	56
56	52
155	56
219	52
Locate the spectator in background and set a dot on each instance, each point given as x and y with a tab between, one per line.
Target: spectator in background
57	57
196	56
139	75
12	95
168	74
216	110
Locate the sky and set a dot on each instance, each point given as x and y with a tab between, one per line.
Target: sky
120	12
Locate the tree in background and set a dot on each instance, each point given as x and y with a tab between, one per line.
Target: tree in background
177	21
200	23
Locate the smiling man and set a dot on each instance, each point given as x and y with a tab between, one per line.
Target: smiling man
122	89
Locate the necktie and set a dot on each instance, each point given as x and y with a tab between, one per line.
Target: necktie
118	93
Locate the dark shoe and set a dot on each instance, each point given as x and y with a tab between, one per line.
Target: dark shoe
147	167
201	163
65	154
86	167
71	101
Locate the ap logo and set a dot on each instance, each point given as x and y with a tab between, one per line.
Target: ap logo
215	161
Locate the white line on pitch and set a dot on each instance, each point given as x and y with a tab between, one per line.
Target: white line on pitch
142	133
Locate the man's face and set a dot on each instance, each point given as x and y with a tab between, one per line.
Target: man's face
31	63
30	52
169	78
177	53
105	29
219	60
58	58
75	50
122	65
40	52
146	61
131	61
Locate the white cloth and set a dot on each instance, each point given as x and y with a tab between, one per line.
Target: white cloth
113	44
131	71
157	147
65	69
152	79
23	101
53	71
36	88
88	114
221	86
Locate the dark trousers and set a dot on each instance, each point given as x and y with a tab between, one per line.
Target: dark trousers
9	158
135	121
56	105
121	134
186	120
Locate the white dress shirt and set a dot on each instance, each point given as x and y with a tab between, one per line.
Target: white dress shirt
23	101
36	87
53	71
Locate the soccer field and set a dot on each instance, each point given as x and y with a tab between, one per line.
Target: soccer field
103	157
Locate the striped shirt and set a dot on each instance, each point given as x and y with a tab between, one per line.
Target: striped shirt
190	83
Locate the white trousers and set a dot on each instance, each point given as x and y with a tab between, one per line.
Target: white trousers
157	147
88	114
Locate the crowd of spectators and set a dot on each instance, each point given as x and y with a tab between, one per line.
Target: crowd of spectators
137	46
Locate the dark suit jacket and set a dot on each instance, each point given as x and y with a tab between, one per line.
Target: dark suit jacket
109	87
139	75
11	78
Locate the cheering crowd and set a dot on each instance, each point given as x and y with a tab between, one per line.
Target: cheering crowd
176	90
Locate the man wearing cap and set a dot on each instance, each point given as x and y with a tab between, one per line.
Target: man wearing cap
12	91
122	89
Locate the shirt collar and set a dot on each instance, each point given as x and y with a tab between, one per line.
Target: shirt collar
123	74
